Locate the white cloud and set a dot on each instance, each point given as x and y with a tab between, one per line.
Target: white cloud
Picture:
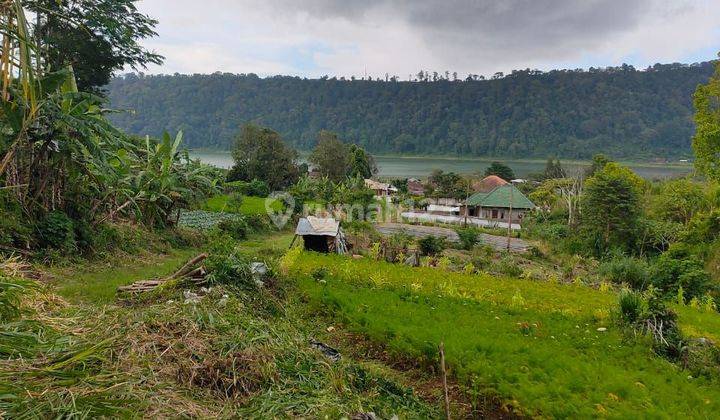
335	37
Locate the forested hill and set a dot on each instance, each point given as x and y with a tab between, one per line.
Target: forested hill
573	114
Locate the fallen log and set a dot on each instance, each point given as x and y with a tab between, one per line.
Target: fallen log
189	271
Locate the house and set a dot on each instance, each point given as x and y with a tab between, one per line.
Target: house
321	235
442	209
415	187
505	202
380	189
488	184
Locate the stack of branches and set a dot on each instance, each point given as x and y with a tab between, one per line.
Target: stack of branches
193	271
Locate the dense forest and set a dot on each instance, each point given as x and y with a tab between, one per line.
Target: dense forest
619	111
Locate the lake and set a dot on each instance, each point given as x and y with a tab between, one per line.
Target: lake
420	167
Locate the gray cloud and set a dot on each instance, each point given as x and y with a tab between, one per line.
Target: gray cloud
482	36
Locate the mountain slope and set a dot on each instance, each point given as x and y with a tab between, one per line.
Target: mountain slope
573	114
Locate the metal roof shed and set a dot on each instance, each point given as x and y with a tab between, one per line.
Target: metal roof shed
321	235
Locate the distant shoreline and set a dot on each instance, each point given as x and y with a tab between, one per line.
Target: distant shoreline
575	162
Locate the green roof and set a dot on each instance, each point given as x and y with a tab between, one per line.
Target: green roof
500	197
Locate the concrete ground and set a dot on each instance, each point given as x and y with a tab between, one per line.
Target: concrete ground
497	242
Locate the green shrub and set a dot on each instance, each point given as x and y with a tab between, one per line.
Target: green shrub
236	227
431	245
259	223
235	201
680	267
507	266
632	306
14	229
469	237
227	265
622	269
57	231
258	188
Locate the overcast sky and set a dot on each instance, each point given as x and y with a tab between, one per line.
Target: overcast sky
343	38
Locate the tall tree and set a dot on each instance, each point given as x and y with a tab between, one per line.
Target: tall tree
706	142
501	170
331	156
553	169
260	153
611	206
597	164
361	163
96	37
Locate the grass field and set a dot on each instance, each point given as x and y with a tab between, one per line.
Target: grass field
534	344
250	205
232	354
97	282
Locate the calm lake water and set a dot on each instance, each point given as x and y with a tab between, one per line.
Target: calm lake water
419	167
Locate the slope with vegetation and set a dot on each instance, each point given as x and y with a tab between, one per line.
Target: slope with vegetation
574	114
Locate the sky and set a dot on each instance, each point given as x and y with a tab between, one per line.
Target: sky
313	38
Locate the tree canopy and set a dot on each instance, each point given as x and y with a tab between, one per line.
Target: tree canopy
96	37
706	142
260	153
619	111
501	170
331	156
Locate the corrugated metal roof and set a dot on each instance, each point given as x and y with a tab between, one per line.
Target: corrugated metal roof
500	197
312	225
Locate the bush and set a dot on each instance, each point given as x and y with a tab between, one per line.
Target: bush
258	223
431	245
632	306
226	265
235	201
621	269
258	188
236	227
507	266
57	231
679	267
469	237
14	229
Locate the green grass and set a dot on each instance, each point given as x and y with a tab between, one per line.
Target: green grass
97	282
534	344
232	354
250	205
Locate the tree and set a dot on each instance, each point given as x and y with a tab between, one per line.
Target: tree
597	164
361	163
96	37
678	201
260	153
706	142
331	156
611	206
553	169
501	170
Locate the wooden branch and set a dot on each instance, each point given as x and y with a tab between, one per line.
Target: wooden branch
444	379
188	271
188	267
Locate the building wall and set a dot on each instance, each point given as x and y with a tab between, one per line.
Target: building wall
495	213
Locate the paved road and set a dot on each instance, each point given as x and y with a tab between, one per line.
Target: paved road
497	242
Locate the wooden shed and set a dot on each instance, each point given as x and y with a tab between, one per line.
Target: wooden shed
321	235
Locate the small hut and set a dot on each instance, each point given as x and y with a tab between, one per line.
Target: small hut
321	235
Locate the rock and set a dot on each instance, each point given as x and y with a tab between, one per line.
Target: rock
328	351
191	297
259	270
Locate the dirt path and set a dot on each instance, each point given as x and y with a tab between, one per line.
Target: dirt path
497	242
